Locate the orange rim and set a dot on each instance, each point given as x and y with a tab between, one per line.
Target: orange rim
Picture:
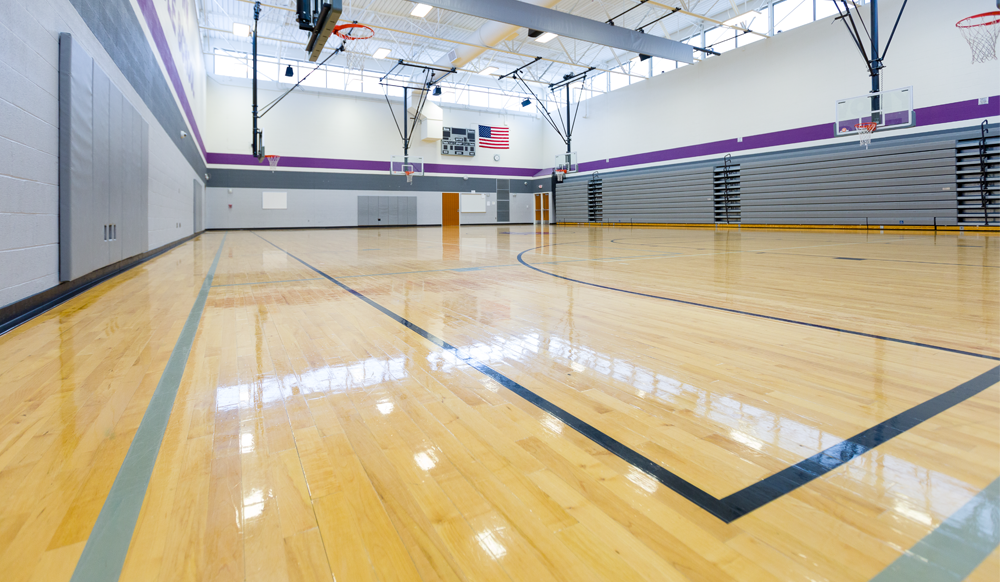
364	32
965	22
868	126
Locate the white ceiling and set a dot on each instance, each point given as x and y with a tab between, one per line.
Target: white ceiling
425	40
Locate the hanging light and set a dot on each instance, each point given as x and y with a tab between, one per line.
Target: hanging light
526	103
437	91
289	72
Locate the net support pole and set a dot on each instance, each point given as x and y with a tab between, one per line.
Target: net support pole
256	18
876	65
569	128
406	125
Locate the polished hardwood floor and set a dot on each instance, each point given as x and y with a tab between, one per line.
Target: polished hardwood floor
315	436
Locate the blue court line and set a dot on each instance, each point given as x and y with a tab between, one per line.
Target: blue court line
521	260
268	282
742	502
467	269
956	547
609	259
104	554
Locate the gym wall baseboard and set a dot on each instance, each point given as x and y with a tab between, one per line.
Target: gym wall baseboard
19	312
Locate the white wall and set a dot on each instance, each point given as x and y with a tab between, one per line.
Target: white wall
29	147
306	208
314	124
788	81
330	208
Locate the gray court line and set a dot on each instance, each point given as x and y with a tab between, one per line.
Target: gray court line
269	282
956	547
104	555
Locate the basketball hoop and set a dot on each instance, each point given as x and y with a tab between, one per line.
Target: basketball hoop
357	52
865	131
981	32
409	177
273	160
560	174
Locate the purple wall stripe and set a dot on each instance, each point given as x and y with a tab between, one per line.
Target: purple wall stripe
925	116
153	22
947	113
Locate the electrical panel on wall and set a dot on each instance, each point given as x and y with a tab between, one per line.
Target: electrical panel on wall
458	141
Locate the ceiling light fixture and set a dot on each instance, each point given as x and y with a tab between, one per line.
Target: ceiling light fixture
421	10
437	91
381	53
489	71
289	72
526	103
546	37
240	29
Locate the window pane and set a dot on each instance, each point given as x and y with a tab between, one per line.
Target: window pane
353	83
618	80
662	65
315	78
825	8
792	14
230	65
477	99
335	78
267	68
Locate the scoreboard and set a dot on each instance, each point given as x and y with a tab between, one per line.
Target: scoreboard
458	141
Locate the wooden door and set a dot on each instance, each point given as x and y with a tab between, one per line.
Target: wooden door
542	207
449	209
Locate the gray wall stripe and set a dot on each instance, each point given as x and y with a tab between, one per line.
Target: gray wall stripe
234	178
116	26
104	555
956	547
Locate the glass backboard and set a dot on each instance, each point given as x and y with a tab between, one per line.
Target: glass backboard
889	109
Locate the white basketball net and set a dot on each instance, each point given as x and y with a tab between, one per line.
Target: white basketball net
273	160
865	133
981	33
356	52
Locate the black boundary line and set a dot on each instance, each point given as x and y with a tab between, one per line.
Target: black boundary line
744	501
521	260
62	297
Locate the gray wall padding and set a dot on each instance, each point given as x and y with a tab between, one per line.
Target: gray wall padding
103	168
116	25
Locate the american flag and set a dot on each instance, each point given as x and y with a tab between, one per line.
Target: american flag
494	138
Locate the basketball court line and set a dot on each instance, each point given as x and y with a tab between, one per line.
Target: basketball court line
104	554
873	259
268	282
955	548
520	258
744	501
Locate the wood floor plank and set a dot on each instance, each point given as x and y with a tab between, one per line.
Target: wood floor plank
314	437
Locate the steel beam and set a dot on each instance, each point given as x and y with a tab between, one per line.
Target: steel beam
568	25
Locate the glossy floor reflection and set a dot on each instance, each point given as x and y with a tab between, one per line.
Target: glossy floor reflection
315	437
